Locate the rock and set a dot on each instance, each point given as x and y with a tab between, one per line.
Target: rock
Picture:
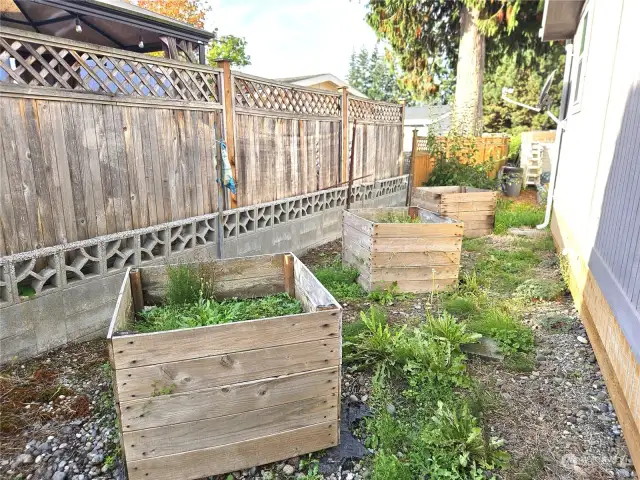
59	476
623	473
582	340
25	458
391	410
353	398
288	470
268	475
364	398
568	460
485	348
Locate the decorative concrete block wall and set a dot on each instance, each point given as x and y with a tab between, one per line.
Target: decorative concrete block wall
68	290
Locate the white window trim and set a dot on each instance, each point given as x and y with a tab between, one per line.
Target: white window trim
576	96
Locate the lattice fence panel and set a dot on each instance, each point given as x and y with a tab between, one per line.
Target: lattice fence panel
374	111
252	93
79	67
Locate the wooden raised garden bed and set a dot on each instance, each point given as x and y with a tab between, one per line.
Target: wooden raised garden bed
417	255
473	206
209	400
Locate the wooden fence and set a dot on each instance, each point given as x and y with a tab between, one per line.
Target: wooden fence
494	148
96	140
295	140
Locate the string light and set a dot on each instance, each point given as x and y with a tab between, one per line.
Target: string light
141	43
78	26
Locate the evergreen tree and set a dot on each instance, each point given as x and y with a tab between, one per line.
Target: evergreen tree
439	40
374	76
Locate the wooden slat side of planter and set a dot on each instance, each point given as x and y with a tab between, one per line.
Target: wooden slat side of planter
417	257
209	400
236	456
473	206
255	276
356	246
227	400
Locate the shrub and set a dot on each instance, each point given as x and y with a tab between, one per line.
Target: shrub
450	172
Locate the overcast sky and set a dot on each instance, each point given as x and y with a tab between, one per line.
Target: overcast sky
288	38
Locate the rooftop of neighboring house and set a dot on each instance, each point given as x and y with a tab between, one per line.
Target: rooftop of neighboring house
325	81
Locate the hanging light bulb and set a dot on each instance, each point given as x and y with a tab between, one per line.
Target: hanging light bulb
78	26
141	43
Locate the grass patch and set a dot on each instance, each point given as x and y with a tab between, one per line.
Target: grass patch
540	289
543	243
475	244
515	214
205	312
462	306
341	281
503	270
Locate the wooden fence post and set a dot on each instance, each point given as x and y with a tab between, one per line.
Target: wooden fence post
228	112
345	133
403	107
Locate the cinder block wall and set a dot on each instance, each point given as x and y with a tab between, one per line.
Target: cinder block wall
74	286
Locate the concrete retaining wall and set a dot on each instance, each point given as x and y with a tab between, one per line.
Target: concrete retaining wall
53	296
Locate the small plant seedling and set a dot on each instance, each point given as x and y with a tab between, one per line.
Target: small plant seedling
160	390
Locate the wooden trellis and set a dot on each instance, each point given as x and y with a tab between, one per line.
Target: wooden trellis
251	92
40	61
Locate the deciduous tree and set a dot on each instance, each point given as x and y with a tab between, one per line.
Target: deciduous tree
230	48
192	12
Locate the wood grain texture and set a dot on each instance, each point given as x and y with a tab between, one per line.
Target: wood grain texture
94	169
238	427
416	257
228	399
236	456
151	348
228	368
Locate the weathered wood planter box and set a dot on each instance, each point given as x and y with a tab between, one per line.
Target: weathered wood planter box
215	399
474	206
418	257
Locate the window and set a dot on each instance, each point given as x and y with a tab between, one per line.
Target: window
581	42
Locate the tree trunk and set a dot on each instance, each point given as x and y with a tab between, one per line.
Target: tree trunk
469	75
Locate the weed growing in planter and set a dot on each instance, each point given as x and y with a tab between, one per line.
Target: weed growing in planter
393	217
516	214
212	312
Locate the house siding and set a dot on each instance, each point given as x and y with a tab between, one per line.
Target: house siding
597	201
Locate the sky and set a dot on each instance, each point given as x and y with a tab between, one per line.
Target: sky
289	38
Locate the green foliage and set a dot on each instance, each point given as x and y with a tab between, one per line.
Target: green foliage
341	281
474	244
387	466
565	271
376	344
516	214
211	312
461	306
539	289
185	285
446	327
500	325
396	217
504	270
374	75
26	290
229	47
455	164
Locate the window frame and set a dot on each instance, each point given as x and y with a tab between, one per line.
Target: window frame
581	42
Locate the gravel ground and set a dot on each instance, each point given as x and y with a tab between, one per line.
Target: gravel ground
58	420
